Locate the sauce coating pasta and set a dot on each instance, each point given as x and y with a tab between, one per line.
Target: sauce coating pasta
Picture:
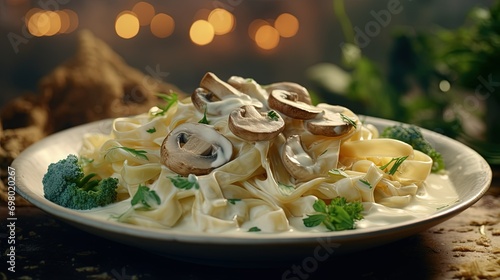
266	184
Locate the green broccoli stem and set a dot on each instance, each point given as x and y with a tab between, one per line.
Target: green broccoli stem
85	183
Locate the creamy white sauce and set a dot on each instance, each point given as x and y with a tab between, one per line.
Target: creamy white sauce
437	193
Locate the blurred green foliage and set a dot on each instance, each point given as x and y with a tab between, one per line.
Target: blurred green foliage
440	79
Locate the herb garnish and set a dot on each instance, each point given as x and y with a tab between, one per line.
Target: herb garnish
134	152
397	162
273	115
233	200
144	199
366	183
254	229
338	215
185	183
348	120
204	120
151	130
337	173
171	99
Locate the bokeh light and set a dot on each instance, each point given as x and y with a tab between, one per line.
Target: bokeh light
144	12
287	25
254	26
267	37
127	25
54	23
49	23
162	25
221	20
73	20
201	32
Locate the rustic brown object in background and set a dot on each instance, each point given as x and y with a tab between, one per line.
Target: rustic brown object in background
96	83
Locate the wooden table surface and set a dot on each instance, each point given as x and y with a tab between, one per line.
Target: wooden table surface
464	247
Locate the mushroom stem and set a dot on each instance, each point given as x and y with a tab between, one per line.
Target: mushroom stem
220	88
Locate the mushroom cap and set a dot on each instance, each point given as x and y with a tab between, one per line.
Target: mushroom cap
195	148
248	123
334	121
302	92
287	102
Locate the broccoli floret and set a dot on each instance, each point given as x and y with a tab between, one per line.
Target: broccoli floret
412	135
66	184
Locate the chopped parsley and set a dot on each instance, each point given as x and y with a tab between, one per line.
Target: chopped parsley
204	120
185	183
233	200
254	229
336	216
145	198
272	115
151	130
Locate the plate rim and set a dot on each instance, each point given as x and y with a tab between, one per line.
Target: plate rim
79	218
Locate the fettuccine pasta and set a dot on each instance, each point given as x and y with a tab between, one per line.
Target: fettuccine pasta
256	187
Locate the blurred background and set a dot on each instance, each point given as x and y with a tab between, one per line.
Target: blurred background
428	62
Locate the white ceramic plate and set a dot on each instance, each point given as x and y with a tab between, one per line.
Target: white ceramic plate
468	171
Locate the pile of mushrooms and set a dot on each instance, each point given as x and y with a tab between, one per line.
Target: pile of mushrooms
255	113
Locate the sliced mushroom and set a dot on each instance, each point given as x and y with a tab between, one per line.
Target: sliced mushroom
194	148
220	88
201	97
250	87
288	103
334	121
248	123
302	93
297	161
216	97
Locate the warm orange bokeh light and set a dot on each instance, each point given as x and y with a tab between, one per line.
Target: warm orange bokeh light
144	12
287	25
201	32
221	20
127	25
54	23
254	26
162	25
267	37
73	20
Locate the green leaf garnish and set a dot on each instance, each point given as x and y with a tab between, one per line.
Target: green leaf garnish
204	120
134	152
151	130
171	99
348	120
273	115
233	200
366	183
254	229
285	189
338	215
145	198
185	183
337	173
397	162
